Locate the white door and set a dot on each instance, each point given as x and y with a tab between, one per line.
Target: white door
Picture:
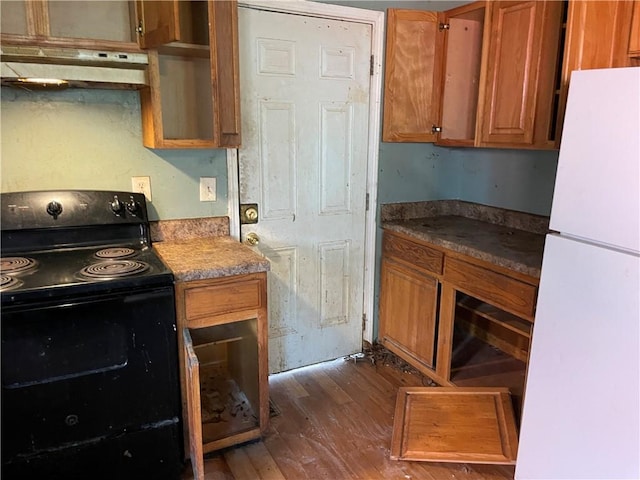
305	94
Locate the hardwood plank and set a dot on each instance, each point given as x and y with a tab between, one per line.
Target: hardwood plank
240	465
334	422
331	388
263	462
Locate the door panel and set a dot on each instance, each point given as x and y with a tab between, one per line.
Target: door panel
304	162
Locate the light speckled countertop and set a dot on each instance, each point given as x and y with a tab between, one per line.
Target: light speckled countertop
509	239
201	248
209	257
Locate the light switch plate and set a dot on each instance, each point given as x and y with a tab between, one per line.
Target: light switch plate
142	185
207	189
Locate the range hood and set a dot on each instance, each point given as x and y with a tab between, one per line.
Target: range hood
79	68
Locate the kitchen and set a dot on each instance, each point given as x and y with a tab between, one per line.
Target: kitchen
62	125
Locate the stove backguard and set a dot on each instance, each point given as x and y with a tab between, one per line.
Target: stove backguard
48	220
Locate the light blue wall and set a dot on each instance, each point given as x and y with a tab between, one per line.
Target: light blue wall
92	139
514	179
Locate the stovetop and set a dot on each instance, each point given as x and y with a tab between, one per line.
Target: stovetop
75	242
80	271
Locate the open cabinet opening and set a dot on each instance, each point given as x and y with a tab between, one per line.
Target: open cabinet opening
490	348
227	358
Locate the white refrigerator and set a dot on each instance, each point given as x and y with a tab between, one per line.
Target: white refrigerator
581	414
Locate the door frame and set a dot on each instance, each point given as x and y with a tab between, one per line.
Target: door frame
376	20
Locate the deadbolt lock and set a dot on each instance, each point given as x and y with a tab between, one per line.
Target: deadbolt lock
248	213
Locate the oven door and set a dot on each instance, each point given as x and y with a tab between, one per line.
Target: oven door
89	370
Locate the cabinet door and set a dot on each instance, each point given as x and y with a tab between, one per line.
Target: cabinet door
412	76
225	66
462	65
408	301
521	62
194	415
162	22
157	22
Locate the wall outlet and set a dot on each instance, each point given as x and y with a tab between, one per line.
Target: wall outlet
142	185
207	189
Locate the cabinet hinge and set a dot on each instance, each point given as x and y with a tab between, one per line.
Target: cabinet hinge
139	28
371	66
443	26
366	202
364	321
436	129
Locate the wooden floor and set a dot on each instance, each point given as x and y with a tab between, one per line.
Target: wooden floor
334	421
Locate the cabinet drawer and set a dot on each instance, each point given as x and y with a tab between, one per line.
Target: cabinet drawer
223	298
494	288
413	253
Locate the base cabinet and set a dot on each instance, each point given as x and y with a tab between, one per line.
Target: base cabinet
223	325
459	321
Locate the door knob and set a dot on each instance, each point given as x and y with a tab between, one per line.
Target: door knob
252	239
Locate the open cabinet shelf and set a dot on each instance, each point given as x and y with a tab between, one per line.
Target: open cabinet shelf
490	348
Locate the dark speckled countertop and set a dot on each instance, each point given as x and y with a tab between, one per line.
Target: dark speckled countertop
509	239
201	248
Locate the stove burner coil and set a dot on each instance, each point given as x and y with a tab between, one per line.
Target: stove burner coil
17	264
114	269
7	282
115	252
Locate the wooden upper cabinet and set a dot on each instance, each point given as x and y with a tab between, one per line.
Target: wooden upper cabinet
516	97
482	74
106	25
193	98
412	76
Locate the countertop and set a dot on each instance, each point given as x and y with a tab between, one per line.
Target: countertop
477	231
209	257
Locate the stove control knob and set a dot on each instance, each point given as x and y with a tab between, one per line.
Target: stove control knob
133	207
117	206
54	209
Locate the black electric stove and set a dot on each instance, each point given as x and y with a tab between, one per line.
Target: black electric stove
90	383
62	243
